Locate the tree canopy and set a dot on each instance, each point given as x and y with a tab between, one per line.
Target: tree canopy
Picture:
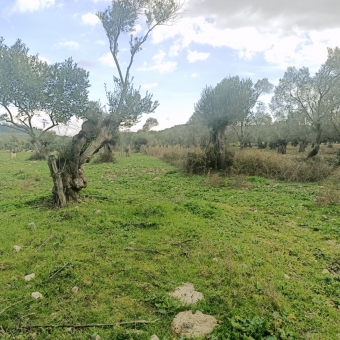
315	98
36	96
229	102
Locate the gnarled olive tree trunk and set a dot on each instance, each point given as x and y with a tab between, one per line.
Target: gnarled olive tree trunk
315	150
67	170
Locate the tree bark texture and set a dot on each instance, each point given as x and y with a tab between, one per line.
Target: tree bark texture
67	172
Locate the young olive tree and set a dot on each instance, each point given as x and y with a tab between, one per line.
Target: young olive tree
37	97
125	103
314	98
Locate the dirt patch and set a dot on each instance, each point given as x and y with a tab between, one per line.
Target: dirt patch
193	325
187	294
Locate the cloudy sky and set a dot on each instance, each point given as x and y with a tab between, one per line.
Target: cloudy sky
214	39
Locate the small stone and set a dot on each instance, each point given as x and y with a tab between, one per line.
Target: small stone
325	217
76	207
156	179
75	289
154	337
29	277
88	283
69	329
36	295
215	259
325	271
17	248
98	211
286	276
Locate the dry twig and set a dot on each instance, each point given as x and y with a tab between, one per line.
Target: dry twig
12	305
91	325
50	237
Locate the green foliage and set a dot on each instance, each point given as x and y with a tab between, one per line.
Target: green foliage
229	102
138	141
312	99
150	123
205	210
31	85
125	103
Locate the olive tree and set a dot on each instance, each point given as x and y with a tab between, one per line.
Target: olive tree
37	97
230	102
126	104
150	123
314	98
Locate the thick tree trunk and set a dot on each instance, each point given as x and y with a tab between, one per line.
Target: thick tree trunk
67	172
40	150
282	146
302	146
317	143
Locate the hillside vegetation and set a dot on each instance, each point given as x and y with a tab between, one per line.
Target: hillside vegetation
264	253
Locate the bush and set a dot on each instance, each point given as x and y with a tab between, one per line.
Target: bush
211	159
246	163
105	157
36	156
195	163
269	165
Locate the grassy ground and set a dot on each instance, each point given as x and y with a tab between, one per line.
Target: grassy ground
255	248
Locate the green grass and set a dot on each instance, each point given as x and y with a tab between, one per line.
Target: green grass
255	248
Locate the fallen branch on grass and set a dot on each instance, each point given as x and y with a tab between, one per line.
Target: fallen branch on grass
12	305
57	272
117	324
50	237
144	250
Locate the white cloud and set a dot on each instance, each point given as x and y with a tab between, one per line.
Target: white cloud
175	48
67	44
261	13
194	56
100	42
32	5
90	19
148	86
194	75
278	46
107	60
160	64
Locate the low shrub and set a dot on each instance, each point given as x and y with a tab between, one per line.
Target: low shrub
246	163
35	156
275	166
105	157
328	195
